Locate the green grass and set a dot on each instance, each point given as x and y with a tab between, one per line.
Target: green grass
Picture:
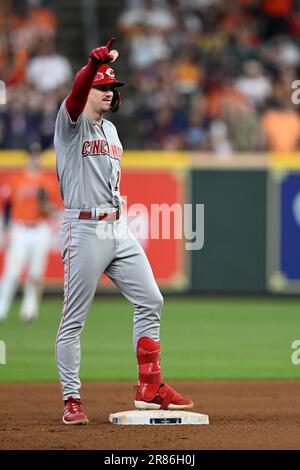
200	339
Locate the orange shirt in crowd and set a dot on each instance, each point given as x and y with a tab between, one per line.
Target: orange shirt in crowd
186	71
216	99
25	206
282	130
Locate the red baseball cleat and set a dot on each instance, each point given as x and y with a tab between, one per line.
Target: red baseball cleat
73	413
166	399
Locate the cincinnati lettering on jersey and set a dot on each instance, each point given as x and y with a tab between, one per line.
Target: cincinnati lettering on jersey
100	147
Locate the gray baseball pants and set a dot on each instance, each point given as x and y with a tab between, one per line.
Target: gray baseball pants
89	249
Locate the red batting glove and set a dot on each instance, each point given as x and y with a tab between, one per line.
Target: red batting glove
101	55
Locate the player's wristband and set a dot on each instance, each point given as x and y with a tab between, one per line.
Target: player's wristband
96	61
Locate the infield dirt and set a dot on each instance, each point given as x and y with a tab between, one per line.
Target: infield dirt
243	415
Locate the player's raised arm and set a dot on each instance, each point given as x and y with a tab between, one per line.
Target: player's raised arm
77	98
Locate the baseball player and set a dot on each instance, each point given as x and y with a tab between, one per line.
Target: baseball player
27	206
89	154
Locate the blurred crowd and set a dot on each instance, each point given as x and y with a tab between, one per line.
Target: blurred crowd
213	75
203	75
36	76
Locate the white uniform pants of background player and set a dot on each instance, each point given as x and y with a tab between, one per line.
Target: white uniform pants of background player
28	247
89	249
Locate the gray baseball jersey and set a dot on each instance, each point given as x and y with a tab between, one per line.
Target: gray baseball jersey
87	161
88	169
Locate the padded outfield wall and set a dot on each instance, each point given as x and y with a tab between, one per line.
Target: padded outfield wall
234	253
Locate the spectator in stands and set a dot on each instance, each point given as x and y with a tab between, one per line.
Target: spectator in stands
281	52
155	86
147	14
197	132
281	127
219	92
147	26
254	84
187	74
19	124
47	118
163	127
244	130
188	26
218	134
168	132
147	47
47	70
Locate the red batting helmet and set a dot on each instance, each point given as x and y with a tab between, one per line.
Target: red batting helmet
106	75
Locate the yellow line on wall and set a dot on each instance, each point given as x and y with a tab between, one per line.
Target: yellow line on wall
280	161
131	159
167	159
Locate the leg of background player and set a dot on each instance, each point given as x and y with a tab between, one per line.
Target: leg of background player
30	304
39	250
14	262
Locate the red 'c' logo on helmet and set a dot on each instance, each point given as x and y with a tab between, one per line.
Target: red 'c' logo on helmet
110	73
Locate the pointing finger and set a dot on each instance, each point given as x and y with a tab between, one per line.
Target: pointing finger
110	43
